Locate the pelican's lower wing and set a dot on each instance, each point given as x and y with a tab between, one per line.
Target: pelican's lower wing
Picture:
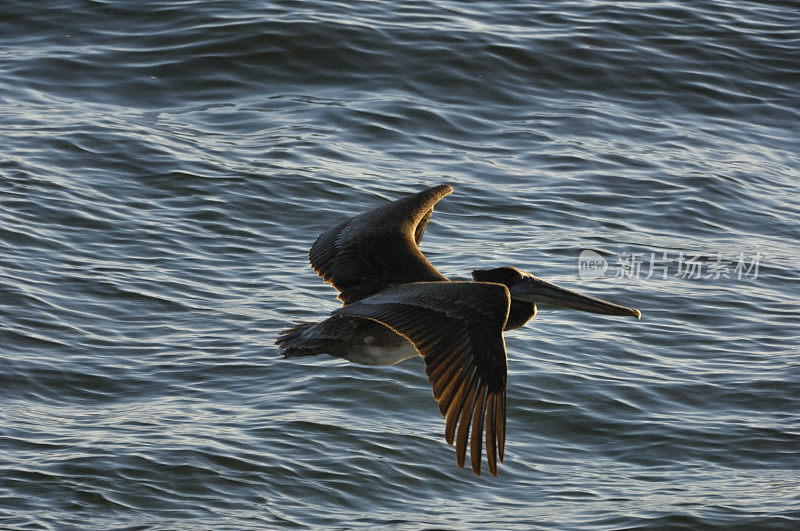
458	328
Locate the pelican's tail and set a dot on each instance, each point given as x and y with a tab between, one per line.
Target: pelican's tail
297	341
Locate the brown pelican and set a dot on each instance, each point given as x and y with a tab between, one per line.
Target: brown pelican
397	305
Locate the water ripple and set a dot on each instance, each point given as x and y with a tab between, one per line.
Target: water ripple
166	167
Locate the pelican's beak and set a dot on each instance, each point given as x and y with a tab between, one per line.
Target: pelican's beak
538	291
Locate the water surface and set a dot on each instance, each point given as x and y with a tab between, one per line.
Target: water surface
167	165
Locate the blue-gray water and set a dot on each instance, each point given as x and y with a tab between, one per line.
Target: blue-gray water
165	167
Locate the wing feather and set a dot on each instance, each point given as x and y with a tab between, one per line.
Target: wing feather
491	437
379	248
500	423
453	413
463	426
476	438
458	329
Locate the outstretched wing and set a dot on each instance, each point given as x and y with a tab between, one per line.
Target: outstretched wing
378	249
458	328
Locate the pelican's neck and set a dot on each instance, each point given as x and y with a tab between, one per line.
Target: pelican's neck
519	313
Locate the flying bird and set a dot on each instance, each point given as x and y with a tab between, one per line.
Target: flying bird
396	305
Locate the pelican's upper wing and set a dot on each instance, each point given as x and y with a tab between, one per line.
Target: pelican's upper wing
378	249
458	328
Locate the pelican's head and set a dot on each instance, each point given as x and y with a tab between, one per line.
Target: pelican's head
527	291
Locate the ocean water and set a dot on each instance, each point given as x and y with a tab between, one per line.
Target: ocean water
166	165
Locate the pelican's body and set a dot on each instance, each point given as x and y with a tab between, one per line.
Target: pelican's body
358	340
397	305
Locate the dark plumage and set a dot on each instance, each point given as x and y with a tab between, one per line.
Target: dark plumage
378	249
397	305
